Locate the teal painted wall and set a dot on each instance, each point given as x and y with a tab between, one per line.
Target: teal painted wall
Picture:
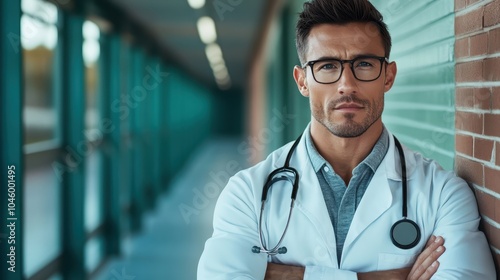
228	111
287	110
420	108
189	108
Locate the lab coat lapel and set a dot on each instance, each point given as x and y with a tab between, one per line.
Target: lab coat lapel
377	199
310	200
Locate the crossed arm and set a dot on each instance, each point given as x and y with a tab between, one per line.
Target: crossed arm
424	267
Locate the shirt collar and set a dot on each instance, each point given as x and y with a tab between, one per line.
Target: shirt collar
373	159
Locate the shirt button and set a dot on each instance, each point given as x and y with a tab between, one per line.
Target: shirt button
326	168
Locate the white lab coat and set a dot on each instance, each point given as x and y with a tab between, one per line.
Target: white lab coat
438	201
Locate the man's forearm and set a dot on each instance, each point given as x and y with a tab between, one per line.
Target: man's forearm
425	266
282	272
289	272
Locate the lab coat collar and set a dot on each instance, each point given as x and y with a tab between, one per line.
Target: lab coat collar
393	163
391	159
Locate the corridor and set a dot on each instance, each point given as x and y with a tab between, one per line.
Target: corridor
172	240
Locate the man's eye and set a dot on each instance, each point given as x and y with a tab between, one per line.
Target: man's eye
363	63
327	66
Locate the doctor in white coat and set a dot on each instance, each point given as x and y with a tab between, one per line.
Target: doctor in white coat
339	43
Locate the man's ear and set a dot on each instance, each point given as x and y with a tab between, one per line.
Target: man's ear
299	74
390	75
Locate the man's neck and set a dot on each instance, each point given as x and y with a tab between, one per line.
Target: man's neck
344	154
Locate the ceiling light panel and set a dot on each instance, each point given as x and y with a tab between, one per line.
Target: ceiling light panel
206	29
196	4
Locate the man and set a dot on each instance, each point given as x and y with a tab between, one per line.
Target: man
351	177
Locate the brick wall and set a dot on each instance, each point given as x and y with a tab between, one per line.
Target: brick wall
477	119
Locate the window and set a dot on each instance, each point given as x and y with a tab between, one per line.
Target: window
39	38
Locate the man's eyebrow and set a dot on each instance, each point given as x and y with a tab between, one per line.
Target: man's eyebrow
338	58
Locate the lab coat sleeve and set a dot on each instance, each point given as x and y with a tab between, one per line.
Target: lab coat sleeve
467	254
228	253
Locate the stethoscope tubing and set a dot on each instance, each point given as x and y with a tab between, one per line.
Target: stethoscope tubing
286	168
275	250
270	180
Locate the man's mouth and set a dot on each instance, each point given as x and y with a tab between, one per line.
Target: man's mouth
349	107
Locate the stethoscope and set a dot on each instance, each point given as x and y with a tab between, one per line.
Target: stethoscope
405	233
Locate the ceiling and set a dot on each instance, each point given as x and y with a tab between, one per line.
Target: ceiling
172	23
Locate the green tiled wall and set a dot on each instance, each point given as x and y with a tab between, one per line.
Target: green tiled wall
420	108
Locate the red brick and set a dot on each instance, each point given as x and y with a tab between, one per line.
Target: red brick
492	234
482	98
492	13
471	2
494	40
492	179
462	47
470	171
486	204
491	69
460	4
497	156
479	44
496	260
469	71
497	209
464	97
483	148
472	21
492	125
495	98
469	122
464	144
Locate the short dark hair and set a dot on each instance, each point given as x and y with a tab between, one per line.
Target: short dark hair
338	12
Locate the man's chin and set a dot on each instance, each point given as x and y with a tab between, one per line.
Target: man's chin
346	130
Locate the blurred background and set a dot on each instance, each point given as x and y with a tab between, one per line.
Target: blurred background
124	119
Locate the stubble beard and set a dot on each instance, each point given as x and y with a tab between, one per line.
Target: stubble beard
350	128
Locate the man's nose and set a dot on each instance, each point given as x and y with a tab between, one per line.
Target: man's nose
347	82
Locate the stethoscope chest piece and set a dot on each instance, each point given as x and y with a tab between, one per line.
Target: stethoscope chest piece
405	234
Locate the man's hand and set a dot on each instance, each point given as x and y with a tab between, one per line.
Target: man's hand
427	264
424	267
284	272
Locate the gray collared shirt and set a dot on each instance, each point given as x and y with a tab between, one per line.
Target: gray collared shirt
341	200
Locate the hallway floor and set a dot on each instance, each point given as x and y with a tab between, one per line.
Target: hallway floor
174	234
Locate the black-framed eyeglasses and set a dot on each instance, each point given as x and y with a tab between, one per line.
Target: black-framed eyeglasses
329	71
